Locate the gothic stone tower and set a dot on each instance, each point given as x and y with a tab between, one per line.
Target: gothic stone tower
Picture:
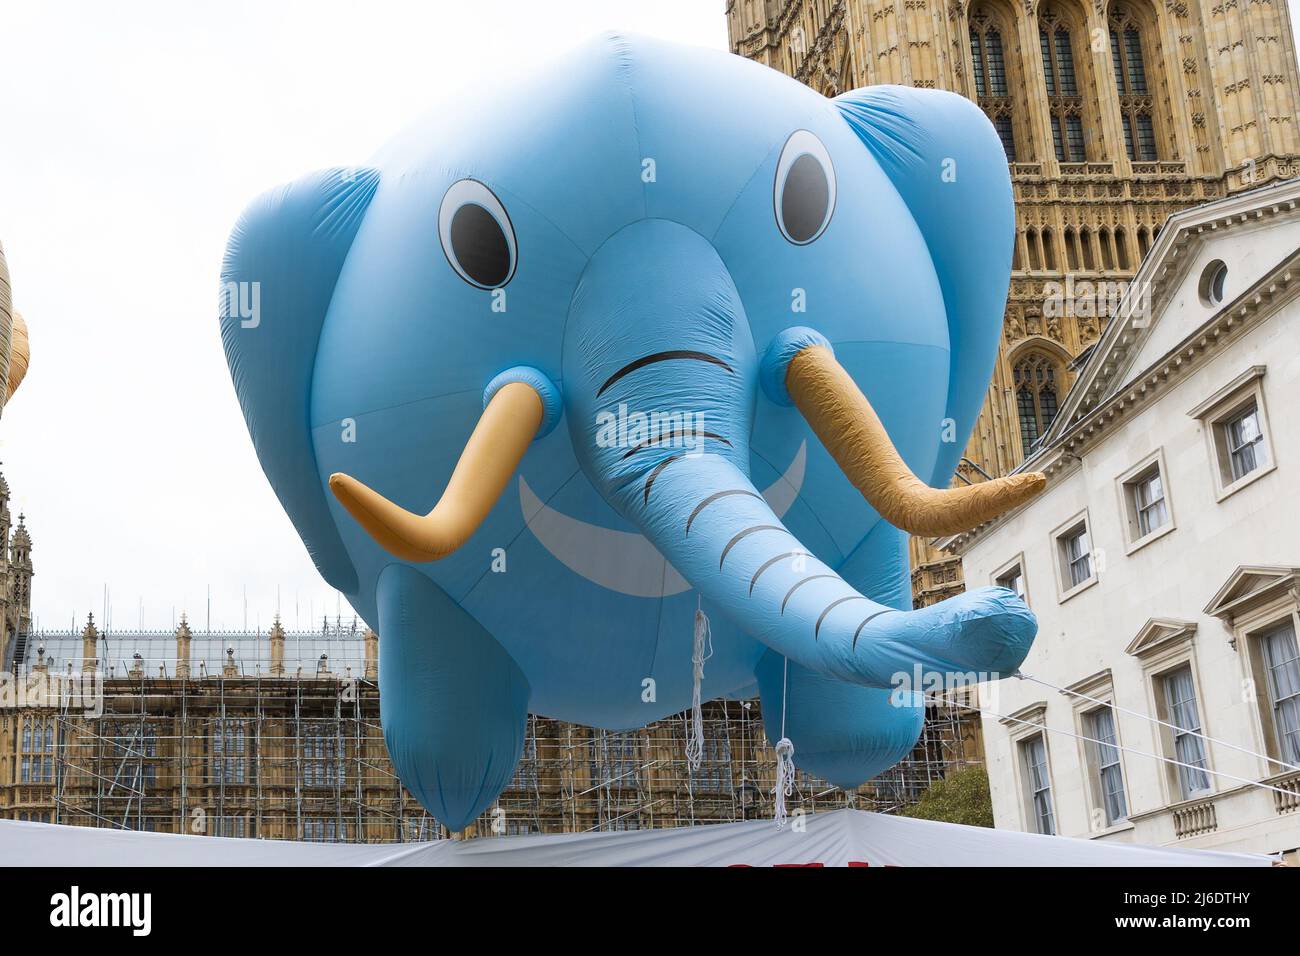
19	592
1113	113
15	582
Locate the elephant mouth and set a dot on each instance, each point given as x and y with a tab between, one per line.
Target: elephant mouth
822	390
626	561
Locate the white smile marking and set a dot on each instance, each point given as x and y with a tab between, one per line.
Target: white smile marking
626	561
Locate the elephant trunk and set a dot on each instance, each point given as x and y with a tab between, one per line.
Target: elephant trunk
661	378
704	515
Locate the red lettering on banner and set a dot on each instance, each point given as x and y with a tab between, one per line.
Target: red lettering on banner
786	866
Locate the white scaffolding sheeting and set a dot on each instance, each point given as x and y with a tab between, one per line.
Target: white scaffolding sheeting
837	838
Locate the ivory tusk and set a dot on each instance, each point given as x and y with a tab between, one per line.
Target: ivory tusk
848	426
493	452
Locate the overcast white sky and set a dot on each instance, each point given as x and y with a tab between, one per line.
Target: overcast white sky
131	135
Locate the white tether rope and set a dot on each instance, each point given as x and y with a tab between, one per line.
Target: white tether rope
784	759
703	637
1156	720
1141	753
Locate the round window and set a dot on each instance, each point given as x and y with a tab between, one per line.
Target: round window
1212	279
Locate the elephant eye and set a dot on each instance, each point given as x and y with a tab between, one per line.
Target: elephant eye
476	235
804	194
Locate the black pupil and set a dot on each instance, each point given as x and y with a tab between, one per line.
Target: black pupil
479	245
804	199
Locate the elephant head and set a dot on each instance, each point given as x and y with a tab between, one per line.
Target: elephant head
650	283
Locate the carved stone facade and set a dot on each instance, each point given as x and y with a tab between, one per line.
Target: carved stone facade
15	581
1114	114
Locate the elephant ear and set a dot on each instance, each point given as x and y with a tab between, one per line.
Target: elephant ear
946	161
282	262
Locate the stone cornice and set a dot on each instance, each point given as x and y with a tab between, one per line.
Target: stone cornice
1159	273
1062	454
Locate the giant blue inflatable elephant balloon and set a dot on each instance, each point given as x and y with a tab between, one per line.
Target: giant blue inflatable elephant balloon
660	330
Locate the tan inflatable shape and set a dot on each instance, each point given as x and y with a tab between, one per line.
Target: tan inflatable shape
491	456
6	319
844	420
19	356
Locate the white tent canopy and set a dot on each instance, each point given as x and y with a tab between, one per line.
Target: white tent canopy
838	838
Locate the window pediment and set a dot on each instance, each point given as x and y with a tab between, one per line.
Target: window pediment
1160	633
1248	587
1035	713
1093	684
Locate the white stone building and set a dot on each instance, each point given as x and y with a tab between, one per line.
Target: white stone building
1163	559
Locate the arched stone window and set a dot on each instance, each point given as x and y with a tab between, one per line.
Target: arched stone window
1037	379
1057	46
1049	250
798	45
991	80
1006	133
1071	249
992	86
1144	241
1085	240
1128	58
1121	248
986	53
1107	256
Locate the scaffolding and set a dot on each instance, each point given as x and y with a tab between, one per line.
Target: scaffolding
280	758
300	755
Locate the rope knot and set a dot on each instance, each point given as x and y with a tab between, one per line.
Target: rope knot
703	639
784	779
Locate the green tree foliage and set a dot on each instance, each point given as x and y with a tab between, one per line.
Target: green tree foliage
961	797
